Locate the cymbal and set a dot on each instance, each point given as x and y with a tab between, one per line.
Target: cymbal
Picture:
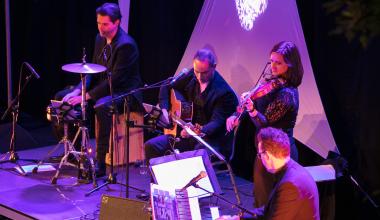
83	68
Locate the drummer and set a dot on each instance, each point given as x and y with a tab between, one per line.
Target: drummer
118	52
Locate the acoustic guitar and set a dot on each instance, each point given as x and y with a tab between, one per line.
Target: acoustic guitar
179	109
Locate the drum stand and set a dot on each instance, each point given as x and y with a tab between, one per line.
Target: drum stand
78	154
68	147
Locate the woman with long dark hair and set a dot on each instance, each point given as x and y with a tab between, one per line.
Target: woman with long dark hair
278	108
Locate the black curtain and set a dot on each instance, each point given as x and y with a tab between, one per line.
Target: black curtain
49	34
162	30
346	75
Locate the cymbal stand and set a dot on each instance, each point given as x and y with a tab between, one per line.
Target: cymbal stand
111	179
14	108
85	148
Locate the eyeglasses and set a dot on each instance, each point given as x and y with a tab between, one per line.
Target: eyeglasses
259	154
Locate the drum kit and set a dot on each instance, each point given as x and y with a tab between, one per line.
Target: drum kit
62	112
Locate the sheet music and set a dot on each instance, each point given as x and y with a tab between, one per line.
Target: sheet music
169	204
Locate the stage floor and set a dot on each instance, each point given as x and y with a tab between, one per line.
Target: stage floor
35	196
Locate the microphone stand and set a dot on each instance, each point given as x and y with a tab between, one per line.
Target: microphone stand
14	108
242	209
127	127
216	153
111	179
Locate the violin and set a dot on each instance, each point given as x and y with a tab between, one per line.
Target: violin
260	91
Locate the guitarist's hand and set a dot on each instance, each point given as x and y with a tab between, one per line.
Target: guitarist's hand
164	119
184	134
197	128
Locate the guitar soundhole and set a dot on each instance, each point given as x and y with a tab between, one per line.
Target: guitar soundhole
186	111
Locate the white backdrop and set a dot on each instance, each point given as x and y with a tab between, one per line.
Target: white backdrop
242	45
124	6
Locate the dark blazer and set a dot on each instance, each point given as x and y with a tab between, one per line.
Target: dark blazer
295	195
219	101
122	61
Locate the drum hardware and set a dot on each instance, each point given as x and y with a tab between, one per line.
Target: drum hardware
61	112
83	156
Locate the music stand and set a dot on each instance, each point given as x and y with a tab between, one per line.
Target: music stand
170	171
197	137
14	108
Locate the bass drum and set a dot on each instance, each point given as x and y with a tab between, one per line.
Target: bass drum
244	145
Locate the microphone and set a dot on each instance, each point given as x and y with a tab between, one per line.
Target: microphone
184	72
34	73
200	176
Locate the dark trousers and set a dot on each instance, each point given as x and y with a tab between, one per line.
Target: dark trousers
164	144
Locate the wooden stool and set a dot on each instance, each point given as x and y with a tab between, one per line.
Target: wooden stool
136	141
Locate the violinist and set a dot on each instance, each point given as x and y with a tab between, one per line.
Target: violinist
273	103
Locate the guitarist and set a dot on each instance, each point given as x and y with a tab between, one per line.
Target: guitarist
213	101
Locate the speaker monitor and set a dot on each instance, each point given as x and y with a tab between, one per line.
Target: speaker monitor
117	208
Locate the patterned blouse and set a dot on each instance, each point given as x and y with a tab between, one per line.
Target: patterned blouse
278	109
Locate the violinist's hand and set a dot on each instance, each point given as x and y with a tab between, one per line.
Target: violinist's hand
249	105
231	123
243	96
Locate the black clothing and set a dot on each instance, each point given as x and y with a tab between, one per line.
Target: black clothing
277	109
217	101
121	57
211	109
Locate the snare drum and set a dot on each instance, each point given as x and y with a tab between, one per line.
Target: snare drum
71	114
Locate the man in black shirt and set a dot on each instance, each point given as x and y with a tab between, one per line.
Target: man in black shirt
213	101
119	53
